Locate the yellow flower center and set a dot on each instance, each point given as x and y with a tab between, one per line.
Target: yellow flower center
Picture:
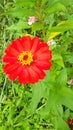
25	58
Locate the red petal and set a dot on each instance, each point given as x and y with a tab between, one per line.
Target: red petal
44	65
26	42
42	46
11	51
35	42
24	76
40	73
15	73
9	59
44	56
17	44
10	68
34	77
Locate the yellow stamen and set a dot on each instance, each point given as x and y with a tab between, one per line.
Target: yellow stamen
25	58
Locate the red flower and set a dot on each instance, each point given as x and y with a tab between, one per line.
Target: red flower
70	123
26	59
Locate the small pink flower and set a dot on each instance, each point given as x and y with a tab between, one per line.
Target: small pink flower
32	20
70	82
51	42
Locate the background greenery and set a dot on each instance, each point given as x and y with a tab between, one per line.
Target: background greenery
49	103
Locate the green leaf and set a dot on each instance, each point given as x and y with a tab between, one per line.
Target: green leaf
70	59
65	91
37	93
43	2
66	2
36	26
3	128
57	58
66	114
59	109
55	8
47	78
23	3
66	97
61	79
20	12
40	90
67	101
63	27
62	125
18	26
52	100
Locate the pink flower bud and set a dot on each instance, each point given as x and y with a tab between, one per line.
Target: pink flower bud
70	82
32	20
51	42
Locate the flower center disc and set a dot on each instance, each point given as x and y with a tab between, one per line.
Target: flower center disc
25	58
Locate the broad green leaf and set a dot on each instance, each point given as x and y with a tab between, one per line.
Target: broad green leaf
36	26
66	2
66	114
67	101
37	93
40	90
18	26
47	78
65	91
58	121
62	125
66	97
43	2
70	59
52	99
60	62
55	8
20	12
24	3
57	58
59	109
62	27
4	128
61	79
54	34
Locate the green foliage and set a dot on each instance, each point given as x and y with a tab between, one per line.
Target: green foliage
62	124
62	28
39	91
21	9
47	104
19	25
54	8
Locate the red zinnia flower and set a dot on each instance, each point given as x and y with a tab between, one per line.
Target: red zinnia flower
26	59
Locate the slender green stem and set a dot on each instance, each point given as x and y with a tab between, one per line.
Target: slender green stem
3	88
